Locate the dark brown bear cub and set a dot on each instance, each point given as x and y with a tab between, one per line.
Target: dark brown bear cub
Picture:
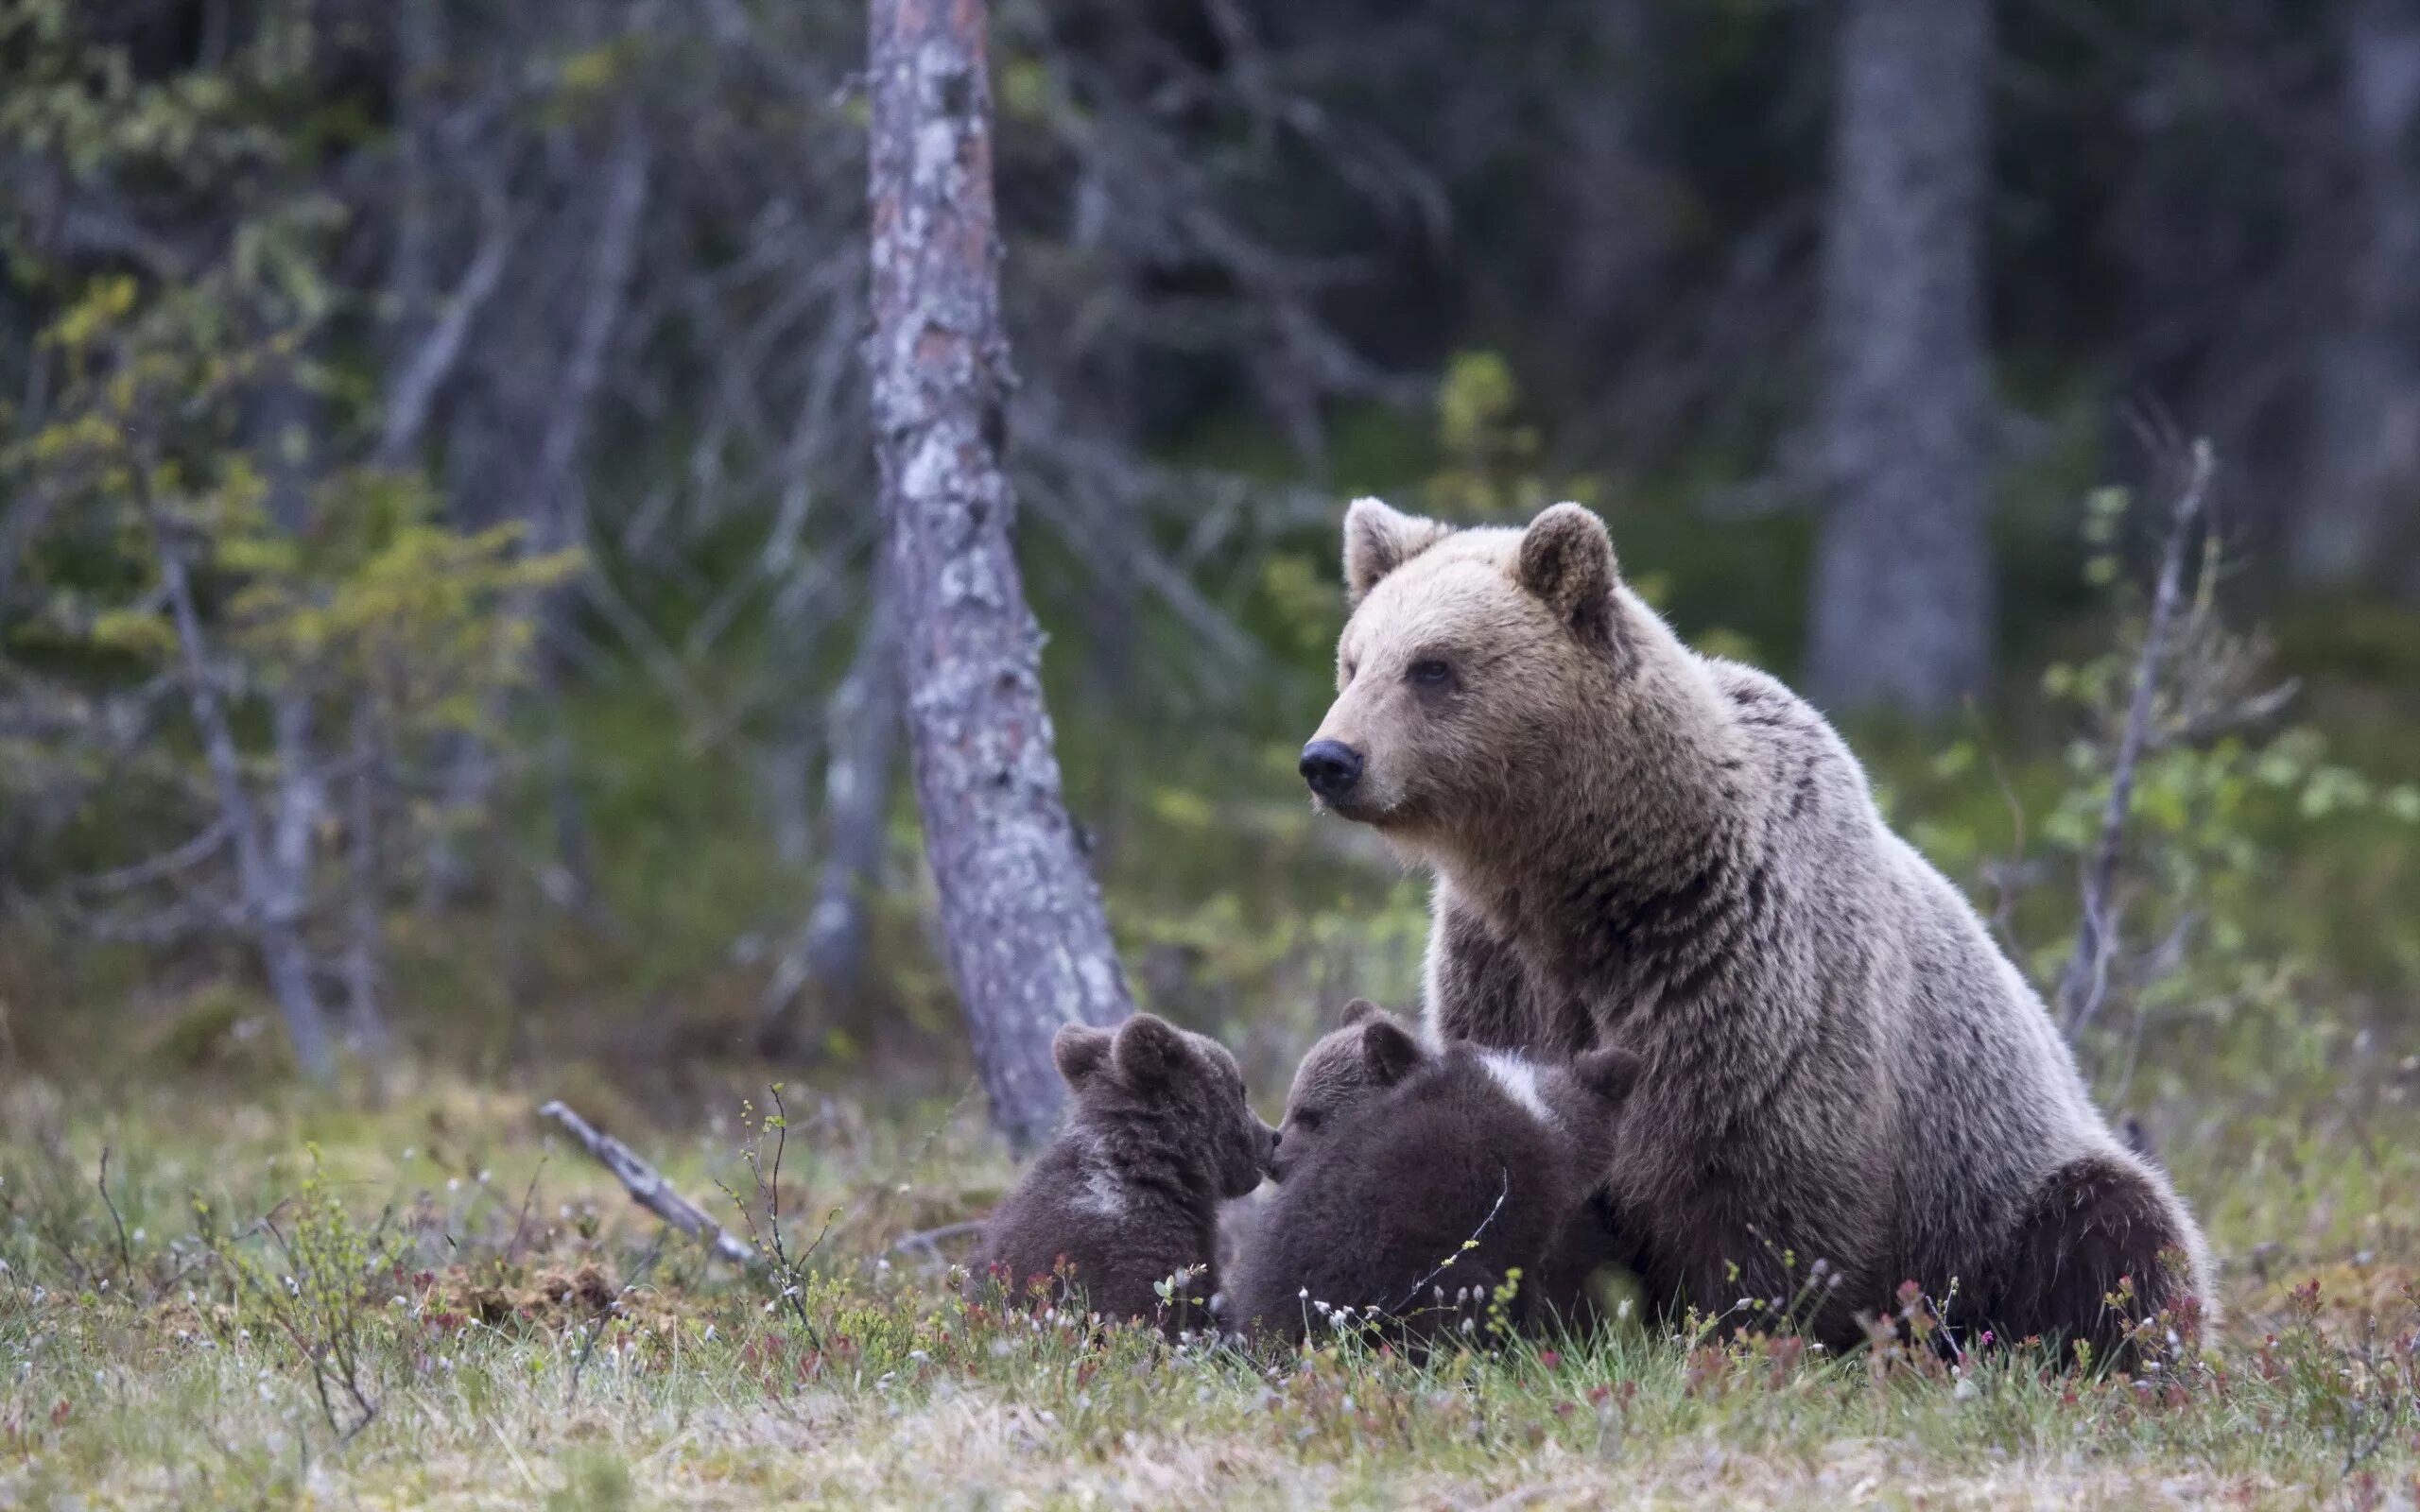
1428	1179
1158	1135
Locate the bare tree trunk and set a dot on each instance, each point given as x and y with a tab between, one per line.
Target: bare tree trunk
1902	609
272	906
1028	945
2363	484
365	903
863	723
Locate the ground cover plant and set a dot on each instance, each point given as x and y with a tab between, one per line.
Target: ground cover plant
439	1304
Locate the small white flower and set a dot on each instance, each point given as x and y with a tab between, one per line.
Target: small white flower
1305	1292
1965	1390
1469	1325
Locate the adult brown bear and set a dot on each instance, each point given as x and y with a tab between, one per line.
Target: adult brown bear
1636	844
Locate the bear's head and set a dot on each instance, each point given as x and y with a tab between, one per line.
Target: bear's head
1352	1066
1475	675
1150	1081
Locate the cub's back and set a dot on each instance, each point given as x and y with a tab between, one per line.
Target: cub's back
1380	1219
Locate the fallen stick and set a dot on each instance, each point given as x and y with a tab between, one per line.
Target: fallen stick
929	1239
647	1187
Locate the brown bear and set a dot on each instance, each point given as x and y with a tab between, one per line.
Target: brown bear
1158	1135
1425	1182
1636	844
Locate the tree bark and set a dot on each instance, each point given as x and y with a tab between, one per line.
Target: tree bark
2362	483
1902	608
1027	942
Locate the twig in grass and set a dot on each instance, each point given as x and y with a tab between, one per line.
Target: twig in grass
647	1187
1467	1245
2083	986
125	1252
613	1305
770	1245
521	1224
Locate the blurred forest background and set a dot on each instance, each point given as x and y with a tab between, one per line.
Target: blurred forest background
438	504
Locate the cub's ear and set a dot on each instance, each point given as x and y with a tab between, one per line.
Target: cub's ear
1378	540
1356	1011
1390	1049
1148	1049
1080	1050
1610	1072
1567	559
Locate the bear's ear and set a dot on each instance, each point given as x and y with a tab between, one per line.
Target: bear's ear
1567	559
1080	1050
1378	540
1390	1049
1610	1072
1358	1010
1148	1049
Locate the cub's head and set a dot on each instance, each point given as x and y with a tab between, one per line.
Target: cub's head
1474	661
1156	1080
1349	1067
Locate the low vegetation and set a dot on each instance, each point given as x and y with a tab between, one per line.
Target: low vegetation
437	1304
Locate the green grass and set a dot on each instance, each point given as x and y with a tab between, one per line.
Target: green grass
469	1262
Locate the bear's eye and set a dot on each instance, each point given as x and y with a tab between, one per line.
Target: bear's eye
1306	1119
1429	671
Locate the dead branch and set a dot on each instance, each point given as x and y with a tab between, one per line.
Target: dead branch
647	1187
2085	984
930	1240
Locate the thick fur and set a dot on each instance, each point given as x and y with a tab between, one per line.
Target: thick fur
1415	1160
1360	1060
1639	845
1158	1134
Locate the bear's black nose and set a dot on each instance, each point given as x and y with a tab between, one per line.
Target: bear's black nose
1331	768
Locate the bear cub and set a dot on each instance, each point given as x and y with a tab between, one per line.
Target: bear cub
1394	1158
1158	1135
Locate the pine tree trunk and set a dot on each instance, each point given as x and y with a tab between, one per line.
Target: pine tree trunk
2361	489
1902	609
1028	945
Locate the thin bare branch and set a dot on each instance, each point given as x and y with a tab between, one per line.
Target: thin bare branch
2085	984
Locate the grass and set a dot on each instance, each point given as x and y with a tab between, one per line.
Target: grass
526	1338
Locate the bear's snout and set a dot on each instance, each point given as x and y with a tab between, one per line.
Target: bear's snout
1332	767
